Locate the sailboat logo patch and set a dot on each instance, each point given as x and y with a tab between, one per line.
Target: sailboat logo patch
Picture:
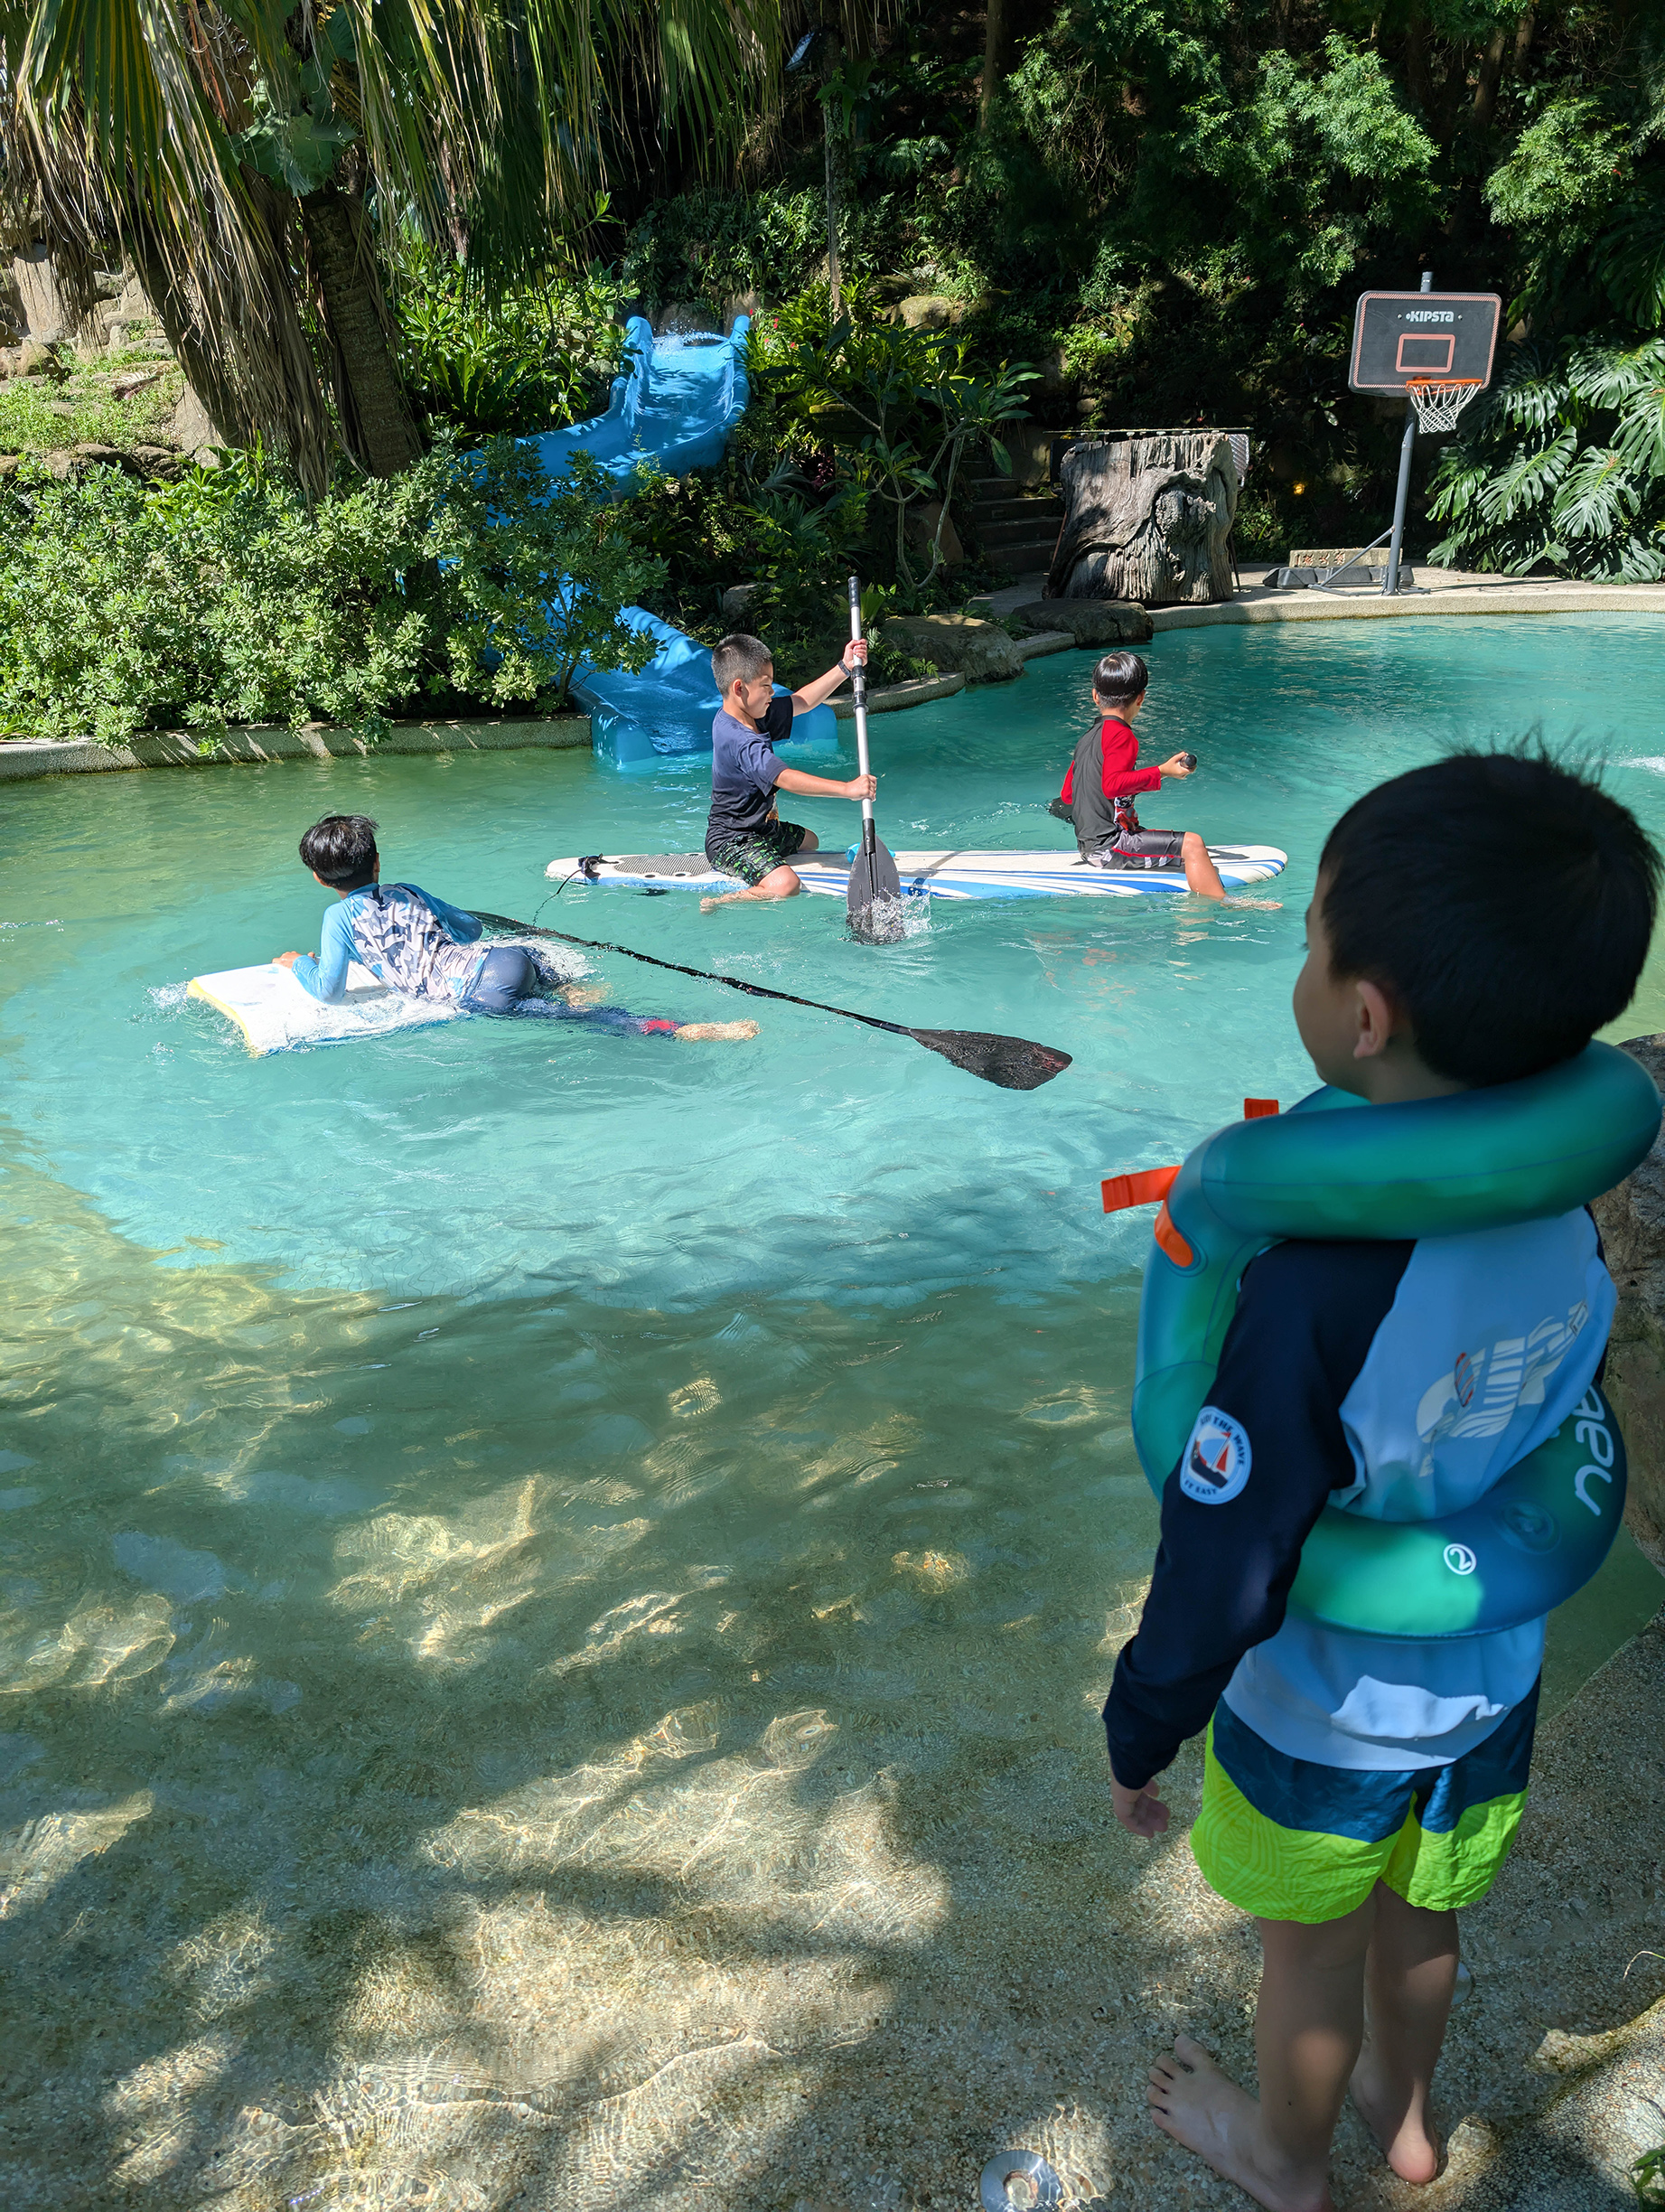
1217	1459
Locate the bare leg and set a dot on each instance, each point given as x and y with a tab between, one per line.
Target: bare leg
782	882
1411	1974
1201	874
1307	2034
715	1032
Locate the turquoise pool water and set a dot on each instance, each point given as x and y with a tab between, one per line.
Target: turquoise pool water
454	1408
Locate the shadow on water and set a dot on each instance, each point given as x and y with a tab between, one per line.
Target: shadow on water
536	1754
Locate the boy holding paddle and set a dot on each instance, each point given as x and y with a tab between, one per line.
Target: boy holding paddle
745	835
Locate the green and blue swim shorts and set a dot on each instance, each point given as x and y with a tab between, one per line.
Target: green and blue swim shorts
1287	1839
756	853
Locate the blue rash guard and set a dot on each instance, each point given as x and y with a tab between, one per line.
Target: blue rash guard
1395	1379
326	977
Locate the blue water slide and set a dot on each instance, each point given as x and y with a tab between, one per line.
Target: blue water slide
675	404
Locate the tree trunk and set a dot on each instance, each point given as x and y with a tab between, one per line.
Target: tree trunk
1005	22
1147	515
1486	82
378	426
1418	70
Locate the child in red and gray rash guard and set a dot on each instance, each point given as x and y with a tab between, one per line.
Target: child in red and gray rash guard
1104	779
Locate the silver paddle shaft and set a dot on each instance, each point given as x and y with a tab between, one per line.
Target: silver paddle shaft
858	678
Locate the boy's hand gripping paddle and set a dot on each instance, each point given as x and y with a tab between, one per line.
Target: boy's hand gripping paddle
874	897
1015	1063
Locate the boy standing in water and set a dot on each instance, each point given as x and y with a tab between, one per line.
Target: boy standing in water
419	945
1474	922
744	834
1103	780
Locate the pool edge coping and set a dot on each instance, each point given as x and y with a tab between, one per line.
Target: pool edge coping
24	758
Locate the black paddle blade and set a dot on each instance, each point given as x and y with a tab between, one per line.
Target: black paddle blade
874	901
1013	1063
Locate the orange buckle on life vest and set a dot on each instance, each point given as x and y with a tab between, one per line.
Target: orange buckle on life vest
1169	1239
1254	1109
1142	1189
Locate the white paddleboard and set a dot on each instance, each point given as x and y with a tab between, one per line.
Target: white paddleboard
276	1014
941	875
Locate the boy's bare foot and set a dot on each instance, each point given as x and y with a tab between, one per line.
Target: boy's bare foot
1202	2108
1411	2146
715	1032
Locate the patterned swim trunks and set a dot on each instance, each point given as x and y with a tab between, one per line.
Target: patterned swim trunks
758	852
1287	1839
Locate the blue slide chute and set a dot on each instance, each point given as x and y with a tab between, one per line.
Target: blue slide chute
676	406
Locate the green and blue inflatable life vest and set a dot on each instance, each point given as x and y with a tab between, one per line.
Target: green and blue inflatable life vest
1334	1167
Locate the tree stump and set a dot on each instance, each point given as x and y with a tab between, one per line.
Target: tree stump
1147	515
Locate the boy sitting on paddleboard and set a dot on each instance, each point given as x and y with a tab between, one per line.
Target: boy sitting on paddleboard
419	945
1102	781
745	836
1474	922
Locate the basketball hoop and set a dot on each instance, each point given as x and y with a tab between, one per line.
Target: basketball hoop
1439	403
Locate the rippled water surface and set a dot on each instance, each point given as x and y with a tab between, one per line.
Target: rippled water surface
526	1557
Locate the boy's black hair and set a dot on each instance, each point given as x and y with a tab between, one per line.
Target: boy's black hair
737	658
341	849
1503	901
1121	676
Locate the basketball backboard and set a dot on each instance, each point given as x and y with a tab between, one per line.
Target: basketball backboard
1401	338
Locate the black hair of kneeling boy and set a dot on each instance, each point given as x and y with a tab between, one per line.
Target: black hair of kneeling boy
1119	677
341	849
1503	900
739	658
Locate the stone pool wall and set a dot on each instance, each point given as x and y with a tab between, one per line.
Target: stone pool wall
26	757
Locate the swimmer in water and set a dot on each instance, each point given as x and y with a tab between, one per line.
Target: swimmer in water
419	945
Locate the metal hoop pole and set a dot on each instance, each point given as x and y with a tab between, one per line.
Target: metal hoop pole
1391	587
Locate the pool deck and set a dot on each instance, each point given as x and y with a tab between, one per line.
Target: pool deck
1439	590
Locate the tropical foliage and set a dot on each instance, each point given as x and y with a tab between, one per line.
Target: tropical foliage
225	599
1563	465
545	352
895	410
1173	206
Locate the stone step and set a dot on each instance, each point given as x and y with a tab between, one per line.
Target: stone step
1036	510
1018	560
1025	532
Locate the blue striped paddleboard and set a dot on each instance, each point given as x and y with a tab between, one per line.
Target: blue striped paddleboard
940	875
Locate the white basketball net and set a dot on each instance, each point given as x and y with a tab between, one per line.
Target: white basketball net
1439	405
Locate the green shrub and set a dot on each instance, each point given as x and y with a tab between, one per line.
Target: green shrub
709	244
224	599
542	356
1562	463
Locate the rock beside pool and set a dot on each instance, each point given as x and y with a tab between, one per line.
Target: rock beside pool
981	652
1632	1220
1089	622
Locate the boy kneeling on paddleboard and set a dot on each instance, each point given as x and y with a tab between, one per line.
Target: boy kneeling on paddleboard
1103	779
745	836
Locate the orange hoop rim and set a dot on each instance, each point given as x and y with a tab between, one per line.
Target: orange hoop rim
1442	384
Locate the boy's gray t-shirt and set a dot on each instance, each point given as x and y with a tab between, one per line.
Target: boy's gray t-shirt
744	771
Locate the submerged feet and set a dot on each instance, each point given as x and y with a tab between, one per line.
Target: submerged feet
1398	2119
1202	2108
715	1032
